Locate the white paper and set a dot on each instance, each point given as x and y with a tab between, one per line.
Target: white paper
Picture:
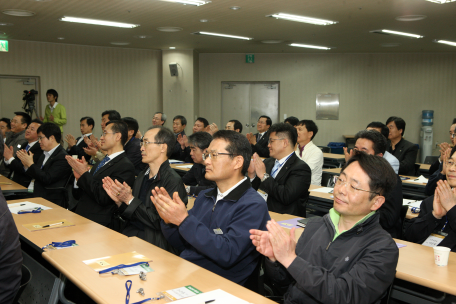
433	240
16	207
419	180
323	190
185	166
220	297
175	161
411	203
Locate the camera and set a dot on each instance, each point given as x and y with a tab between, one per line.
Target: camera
29	101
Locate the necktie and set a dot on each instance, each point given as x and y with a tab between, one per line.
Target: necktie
259	137
104	161
275	169
27	148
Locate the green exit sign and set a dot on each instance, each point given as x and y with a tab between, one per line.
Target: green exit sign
250	58
3	46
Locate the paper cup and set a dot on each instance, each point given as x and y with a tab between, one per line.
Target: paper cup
75	156
441	255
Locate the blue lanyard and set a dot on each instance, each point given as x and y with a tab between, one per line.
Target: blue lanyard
34	210
446	222
122	266
272	174
60	244
128	286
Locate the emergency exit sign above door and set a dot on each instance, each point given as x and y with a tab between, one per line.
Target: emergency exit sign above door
249	58
3	46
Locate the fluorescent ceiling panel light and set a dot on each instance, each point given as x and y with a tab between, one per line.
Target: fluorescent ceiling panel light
302	19
310	46
441	1
222	35
401	34
172	47
189	2
452	43
98	22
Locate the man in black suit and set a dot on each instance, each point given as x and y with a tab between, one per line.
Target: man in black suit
259	141
18	173
76	145
51	172
94	203
402	149
133	146
284	179
179	124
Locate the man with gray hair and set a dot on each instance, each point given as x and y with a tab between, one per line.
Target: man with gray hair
159	119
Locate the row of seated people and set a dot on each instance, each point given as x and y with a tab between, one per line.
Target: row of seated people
215	232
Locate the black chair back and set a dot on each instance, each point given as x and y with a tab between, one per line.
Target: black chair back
26	277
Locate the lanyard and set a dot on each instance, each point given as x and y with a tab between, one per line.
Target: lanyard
446	222
128	287
277	169
33	210
121	266
60	244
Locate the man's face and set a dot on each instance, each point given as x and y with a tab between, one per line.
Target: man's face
229	126
46	144
304	136
85	128
451	171
17	125
108	139
149	151
198	126
104	121
349	201
177	126
157	120
394	133
363	144
50	98
222	167
30	133
276	145
261	125
3	128
197	154
452	130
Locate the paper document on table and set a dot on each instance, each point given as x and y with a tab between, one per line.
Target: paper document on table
128	258
220	297
16	207
175	161
185	166
323	190
419	180
411	203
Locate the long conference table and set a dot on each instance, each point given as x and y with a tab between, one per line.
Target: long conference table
10	187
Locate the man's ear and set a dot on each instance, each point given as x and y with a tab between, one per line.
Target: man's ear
377	202
239	162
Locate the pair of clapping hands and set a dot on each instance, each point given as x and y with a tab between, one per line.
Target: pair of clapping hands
25	157
93	144
444	199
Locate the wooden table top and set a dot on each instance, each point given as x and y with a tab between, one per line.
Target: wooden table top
83	232
424	166
170	271
178	167
333	170
333	156
407	181
13	188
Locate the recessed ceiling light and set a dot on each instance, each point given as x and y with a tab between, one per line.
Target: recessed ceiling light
61	38
411	18
452	43
441	1
172	47
5	24
235	8
189	2
222	35
142	36
120	43
389	44
18	13
169	29
271	41
302	19
98	22
310	46
204	20
389	32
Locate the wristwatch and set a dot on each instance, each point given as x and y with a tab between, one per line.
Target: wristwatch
265	176
187	189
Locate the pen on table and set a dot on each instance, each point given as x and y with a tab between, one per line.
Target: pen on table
2	183
206	302
50	225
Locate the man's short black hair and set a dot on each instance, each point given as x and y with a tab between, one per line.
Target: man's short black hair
132	124
201	140
118	126
454	121
7	121
382	178
203	120
292	121
399	122
165	136
182	119
452	152
113	115
237	125
284	130
163	117
53	92
381	126
378	140
268	119
26	119
37	121
50	129
238	145
310	126
89	121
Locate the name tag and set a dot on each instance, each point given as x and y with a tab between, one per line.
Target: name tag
433	240
31	186
218	231
263	194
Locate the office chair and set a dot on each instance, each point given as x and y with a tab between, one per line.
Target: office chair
26	277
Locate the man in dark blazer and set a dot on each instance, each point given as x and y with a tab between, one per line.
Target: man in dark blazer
402	149
94	203
179	124
51	172
133	146
18	173
259	141
284	179
76	145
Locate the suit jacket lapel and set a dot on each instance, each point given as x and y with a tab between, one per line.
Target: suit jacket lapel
138	181
286	166
110	163
54	154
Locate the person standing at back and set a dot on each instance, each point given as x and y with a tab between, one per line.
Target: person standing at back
55	112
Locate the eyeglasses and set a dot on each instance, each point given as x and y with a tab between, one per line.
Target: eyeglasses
452	134
450	163
40	138
273	139
105	133
352	189
213	155
145	143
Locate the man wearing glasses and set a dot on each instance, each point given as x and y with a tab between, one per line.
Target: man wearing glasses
94	203
343	257
136	205
283	180
214	234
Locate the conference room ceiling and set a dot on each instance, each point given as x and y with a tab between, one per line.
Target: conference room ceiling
356	18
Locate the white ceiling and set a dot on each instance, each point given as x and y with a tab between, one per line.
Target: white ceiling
351	35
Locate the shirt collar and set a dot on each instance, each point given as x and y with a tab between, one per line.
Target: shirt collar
113	155
49	153
281	161
32	143
221	195
55	104
87	135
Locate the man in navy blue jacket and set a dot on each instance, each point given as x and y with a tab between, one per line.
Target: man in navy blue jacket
214	234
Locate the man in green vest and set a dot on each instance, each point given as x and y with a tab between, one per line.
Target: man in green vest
54	112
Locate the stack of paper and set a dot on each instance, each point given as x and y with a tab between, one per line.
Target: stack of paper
16	207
